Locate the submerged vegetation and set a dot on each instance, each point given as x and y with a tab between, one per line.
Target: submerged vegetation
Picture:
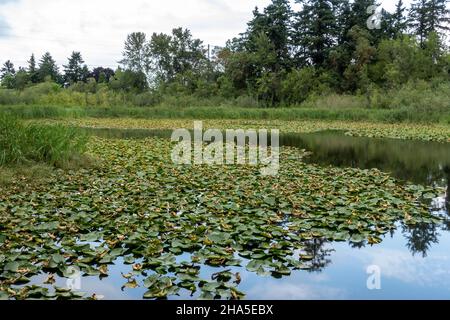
140	207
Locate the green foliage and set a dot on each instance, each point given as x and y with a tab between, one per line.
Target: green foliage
48	70
54	145
429	16
75	71
129	81
301	84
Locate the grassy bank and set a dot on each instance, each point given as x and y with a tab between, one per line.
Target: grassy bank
297	113
414	102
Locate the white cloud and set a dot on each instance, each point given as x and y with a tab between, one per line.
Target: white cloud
402	266
98	28
272	290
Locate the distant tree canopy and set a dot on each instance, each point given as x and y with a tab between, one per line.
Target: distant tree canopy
284	55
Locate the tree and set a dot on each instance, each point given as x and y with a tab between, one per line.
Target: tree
128	81
359	12
438	16
22	79
177	57
75	71
189	54
48	69
399	20
7	74
399	61
101	75
357	73
418	19
32	70
427	16
136	53
7	69
162	58
316	30
276	23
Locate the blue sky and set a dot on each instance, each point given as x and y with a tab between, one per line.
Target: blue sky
98	28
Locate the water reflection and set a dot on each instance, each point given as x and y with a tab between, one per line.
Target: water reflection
426	163
320	253
421	237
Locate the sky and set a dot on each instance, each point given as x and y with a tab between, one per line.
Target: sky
98	28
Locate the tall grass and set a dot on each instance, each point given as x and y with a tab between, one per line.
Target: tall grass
413	102
402	114
54	145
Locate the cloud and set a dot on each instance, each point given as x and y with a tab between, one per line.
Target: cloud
402	266
272	290
4	27
99	28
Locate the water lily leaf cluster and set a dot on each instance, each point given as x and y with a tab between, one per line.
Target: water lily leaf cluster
140	207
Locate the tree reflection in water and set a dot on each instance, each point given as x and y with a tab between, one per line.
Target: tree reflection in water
421	238
321	255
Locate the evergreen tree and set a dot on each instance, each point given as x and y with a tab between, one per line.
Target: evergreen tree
316	30
438	16
7	75
75	71
278	29
418	19
275	23
32	70
32	64
7	69
359	14
427	16
399	20
343	16
48	69
85	73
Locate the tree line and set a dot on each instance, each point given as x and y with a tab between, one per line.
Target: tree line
284	56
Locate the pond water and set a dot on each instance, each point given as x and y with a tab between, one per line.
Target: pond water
413	263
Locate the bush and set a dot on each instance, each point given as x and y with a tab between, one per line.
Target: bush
8	96
335	101
147	99
246	102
